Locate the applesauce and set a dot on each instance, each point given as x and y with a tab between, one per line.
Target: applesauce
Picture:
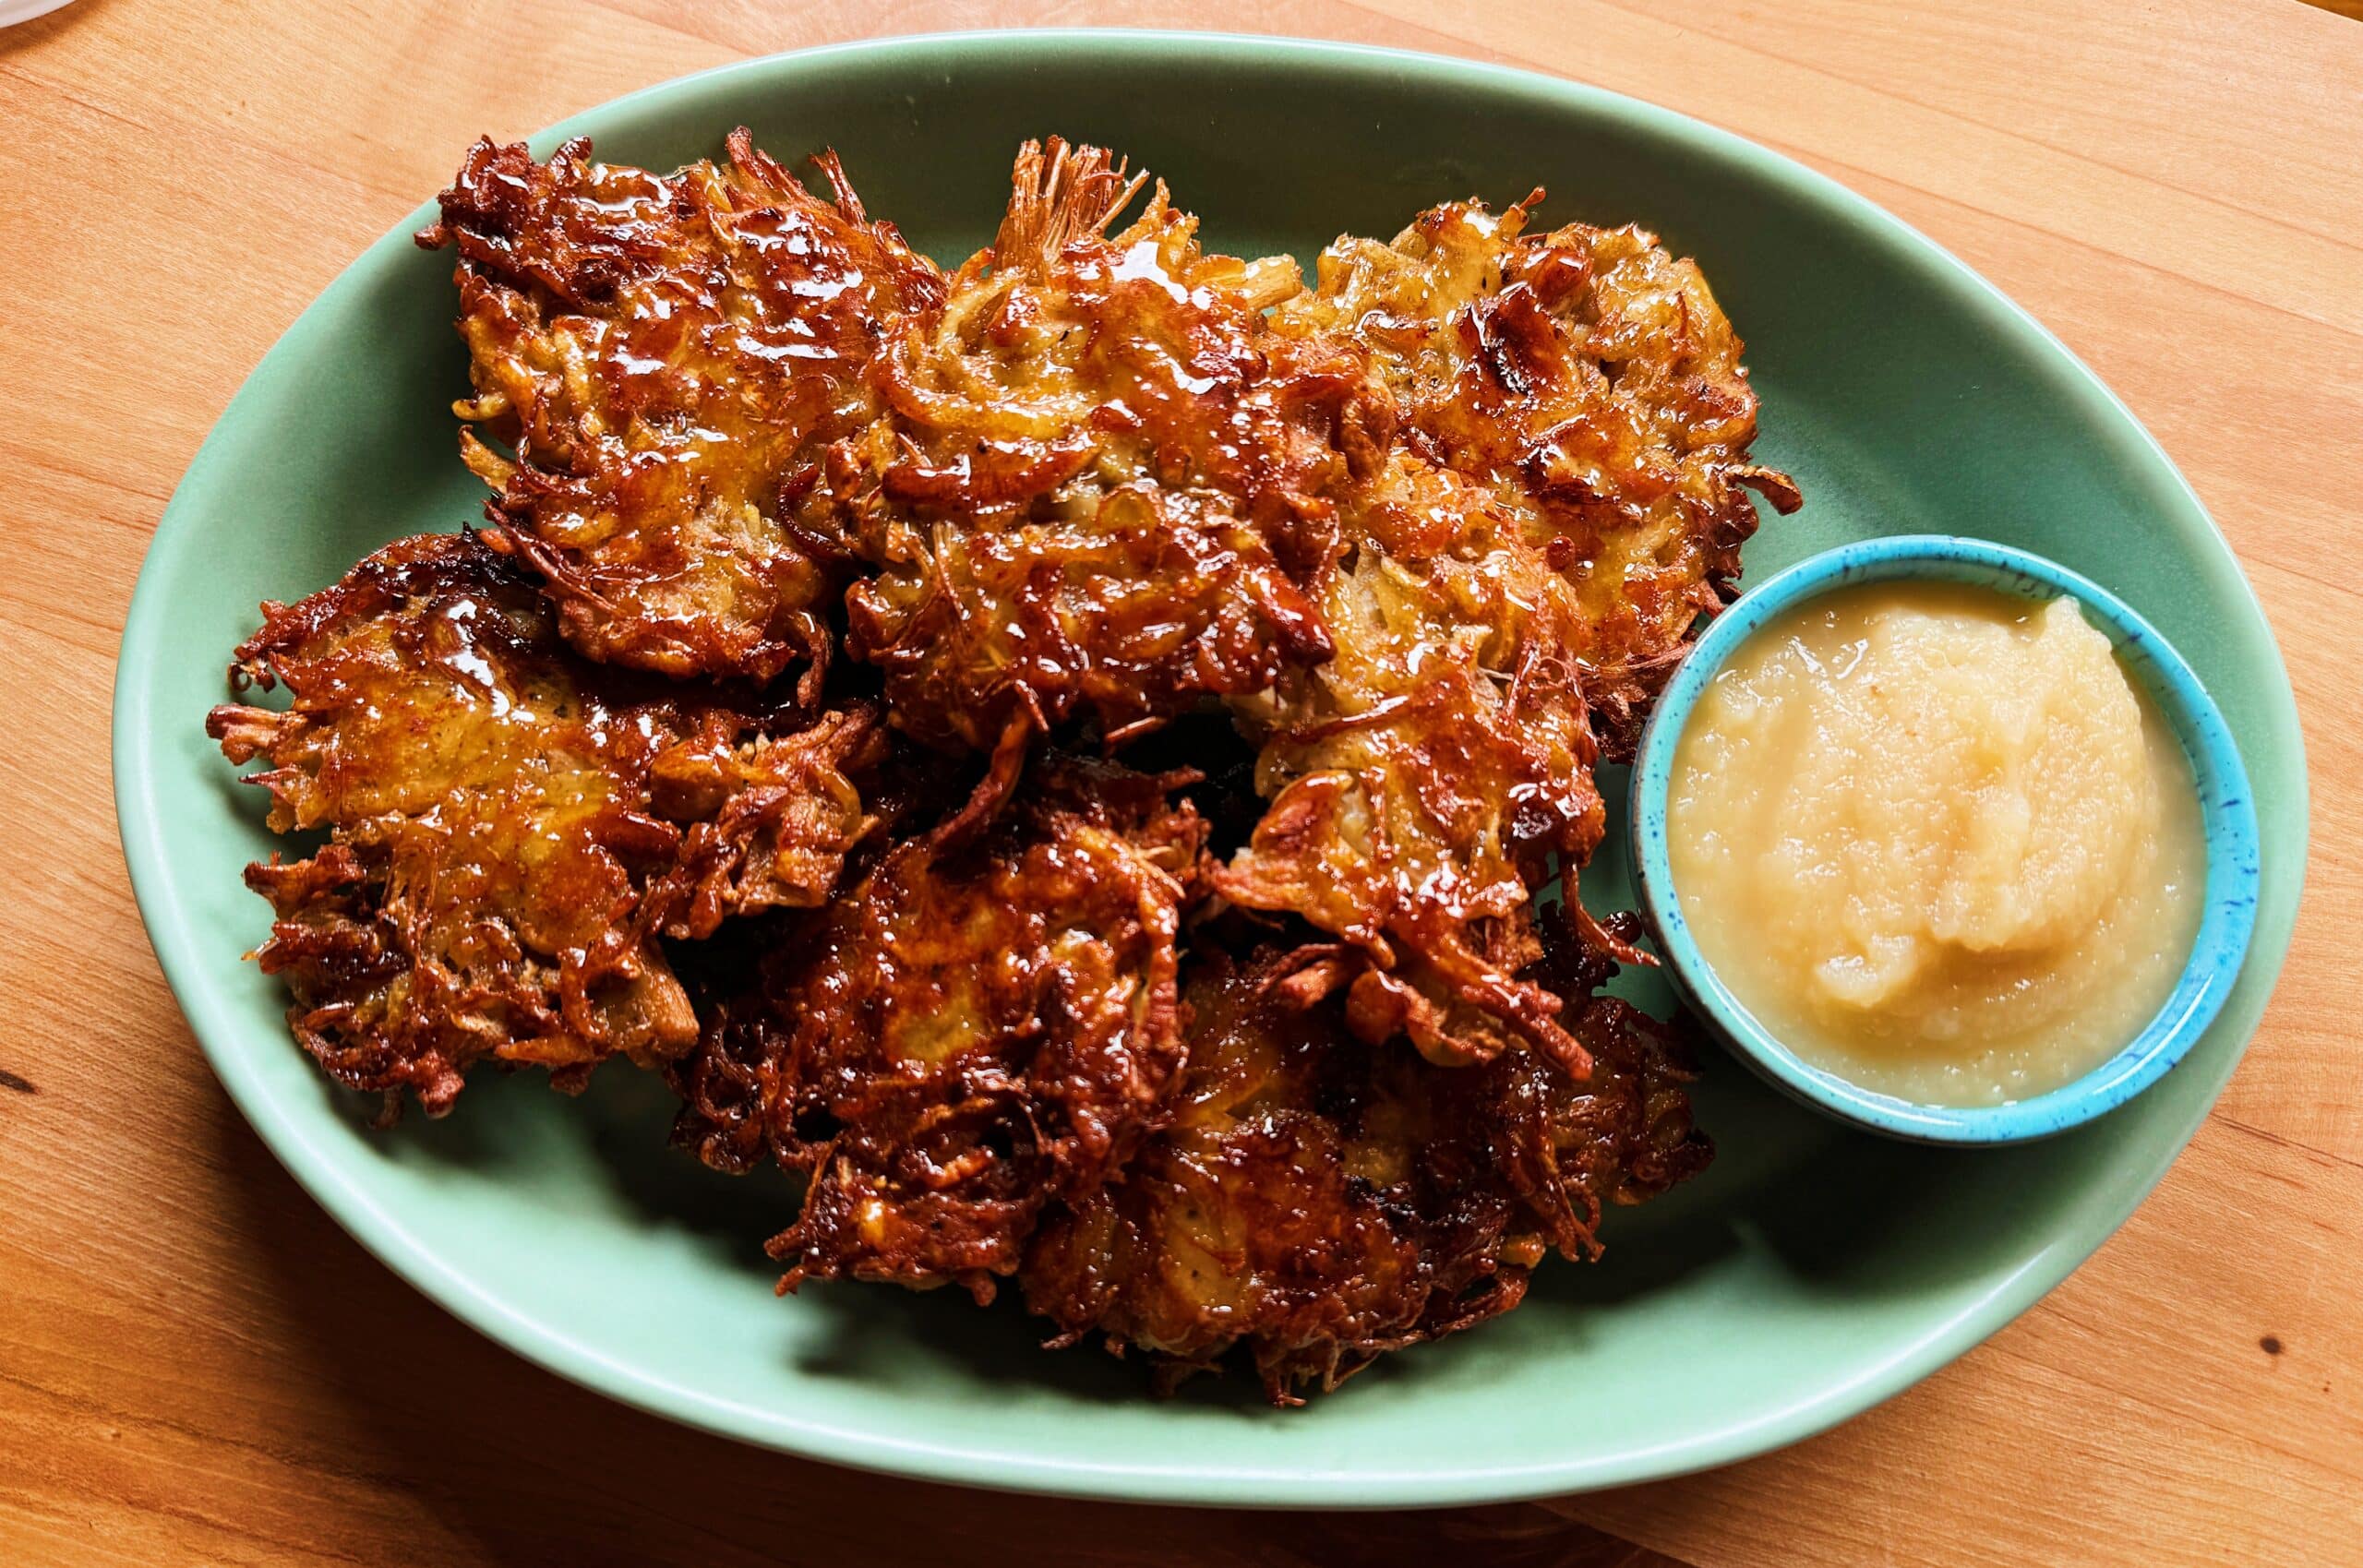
1932	837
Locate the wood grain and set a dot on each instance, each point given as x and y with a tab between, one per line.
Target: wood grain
196	1365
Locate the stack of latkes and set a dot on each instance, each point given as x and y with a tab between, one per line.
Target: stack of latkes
1065	756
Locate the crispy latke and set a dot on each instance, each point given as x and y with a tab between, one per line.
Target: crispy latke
974	1029
1099	488
510	828
1320	1202
668	355
1563	503
1588	383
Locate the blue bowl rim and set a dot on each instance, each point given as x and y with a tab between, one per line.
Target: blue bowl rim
2227	810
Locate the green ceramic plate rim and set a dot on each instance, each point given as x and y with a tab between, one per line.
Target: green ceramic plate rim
2082	1228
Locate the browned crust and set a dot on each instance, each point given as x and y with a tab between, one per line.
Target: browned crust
973	1031
1317	1203
660	361
1432	534
511	830
1097	490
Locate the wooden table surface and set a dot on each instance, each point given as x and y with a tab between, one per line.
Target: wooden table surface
198	1366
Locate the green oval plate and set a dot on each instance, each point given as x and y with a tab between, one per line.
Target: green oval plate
1810	1273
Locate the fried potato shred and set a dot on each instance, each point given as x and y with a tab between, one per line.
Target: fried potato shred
1563	503
664	358
1321	1203
1099	486
1288	1052
510	829
970	1031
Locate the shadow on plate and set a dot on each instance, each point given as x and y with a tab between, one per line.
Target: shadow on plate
509	1129
1839	1212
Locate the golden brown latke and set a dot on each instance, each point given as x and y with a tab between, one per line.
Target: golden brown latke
1563	502
668	355
511	828
974	1029
1098	489
1420	796
1321	1201
1588	383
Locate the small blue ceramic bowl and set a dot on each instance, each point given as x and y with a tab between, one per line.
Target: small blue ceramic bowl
2226	810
